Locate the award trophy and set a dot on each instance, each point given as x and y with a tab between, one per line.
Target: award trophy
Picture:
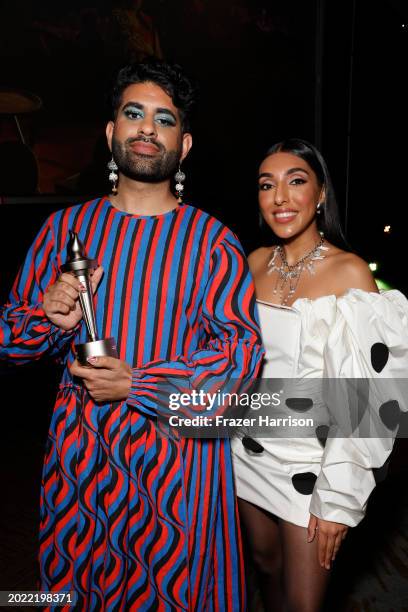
80	265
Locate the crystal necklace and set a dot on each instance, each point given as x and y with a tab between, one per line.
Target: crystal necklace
291	274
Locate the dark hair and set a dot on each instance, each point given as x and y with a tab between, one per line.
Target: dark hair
170	77
329	220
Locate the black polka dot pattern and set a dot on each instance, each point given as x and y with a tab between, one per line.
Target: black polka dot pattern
390	414
304	482
252	445
299	404
379	356
322	432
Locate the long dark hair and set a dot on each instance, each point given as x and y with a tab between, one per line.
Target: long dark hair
328	221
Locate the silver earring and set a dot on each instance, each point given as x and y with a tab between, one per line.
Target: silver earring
319	208
180	177
113	176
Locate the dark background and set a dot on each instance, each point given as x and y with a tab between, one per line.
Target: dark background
330	71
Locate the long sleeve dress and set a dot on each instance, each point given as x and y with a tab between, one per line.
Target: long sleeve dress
134	517
343	365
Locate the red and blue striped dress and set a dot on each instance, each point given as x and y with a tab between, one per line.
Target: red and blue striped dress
132	517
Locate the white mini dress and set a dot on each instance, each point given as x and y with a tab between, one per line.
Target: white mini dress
359	335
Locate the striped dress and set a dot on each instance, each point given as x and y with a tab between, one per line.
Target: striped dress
133	515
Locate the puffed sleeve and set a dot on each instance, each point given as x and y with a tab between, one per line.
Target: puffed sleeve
25	331
366	371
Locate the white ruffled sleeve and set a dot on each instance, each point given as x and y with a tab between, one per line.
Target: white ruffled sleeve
367	348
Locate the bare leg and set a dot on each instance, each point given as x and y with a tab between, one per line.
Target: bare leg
262	534
305	581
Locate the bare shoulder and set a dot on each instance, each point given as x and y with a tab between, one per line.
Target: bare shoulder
259	258
351	272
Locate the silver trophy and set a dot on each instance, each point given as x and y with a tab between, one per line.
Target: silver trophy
80	265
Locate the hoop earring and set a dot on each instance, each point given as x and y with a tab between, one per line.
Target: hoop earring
180	177
113	176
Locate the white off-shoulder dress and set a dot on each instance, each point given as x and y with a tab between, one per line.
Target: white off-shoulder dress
361	335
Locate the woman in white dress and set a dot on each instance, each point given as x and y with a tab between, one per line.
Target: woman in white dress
321	317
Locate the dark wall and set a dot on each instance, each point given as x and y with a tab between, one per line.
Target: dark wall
364	127
254	61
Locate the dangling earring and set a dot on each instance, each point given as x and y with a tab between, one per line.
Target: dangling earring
180	178
113	176
319	209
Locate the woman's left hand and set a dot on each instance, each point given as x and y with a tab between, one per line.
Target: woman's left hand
329	538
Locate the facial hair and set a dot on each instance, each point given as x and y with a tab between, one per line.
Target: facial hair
145	168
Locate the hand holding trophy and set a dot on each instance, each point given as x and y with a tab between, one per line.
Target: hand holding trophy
80	265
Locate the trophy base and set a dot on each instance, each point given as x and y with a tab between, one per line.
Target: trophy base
99	348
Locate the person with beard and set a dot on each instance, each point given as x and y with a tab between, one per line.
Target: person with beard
133	515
